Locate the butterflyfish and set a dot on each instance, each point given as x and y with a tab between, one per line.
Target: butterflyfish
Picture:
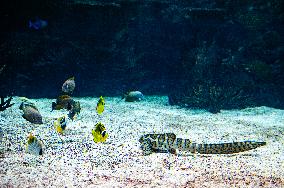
60	124
34	146
100	105
99	133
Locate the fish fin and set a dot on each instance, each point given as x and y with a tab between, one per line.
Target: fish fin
71	115
104	134
32	106
21	106
53	106
25	117
29	105
69	106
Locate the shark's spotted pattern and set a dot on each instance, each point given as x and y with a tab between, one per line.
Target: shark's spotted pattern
168	142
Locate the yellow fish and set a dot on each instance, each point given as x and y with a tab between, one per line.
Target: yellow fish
34	146
60	124
99	133
100	105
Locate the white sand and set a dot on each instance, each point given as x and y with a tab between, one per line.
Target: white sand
79	162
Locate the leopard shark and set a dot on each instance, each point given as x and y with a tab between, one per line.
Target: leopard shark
168	142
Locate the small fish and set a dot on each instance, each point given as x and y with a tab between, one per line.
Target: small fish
99	133
60	124
100	105
75	109
63	102
31	113
132	96
69	86
2	68
37	24
34	146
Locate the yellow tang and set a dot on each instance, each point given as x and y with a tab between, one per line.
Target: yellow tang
100	105
99	133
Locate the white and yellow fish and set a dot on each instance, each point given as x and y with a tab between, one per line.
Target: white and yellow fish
60	124
34	146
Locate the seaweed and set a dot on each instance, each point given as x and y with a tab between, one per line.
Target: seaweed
5	104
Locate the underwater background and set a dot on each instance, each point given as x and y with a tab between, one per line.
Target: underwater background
132	93
201	54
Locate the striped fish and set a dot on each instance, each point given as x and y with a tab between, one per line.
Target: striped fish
31	113
34	146
168	142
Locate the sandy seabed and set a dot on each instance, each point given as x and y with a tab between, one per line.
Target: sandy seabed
74	160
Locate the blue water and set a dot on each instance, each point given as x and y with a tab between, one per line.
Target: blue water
210	71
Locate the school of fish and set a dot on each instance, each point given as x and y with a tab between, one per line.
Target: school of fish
149	143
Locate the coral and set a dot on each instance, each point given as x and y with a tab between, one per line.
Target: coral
216	97
5	104
213	97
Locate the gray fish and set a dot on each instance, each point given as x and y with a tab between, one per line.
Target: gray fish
31	113
132	96
75	109
37	24
69	85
